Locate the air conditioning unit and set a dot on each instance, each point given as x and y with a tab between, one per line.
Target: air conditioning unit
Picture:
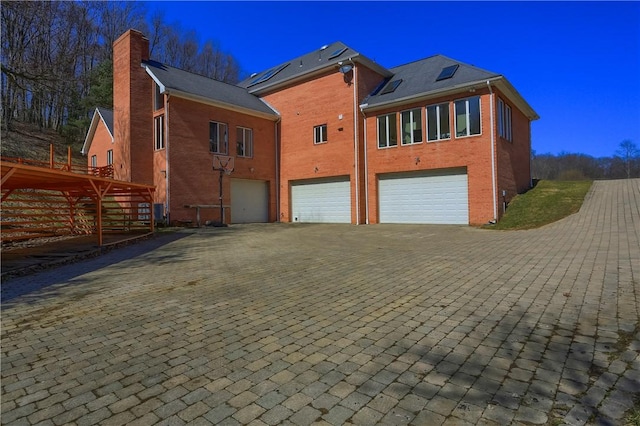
158	214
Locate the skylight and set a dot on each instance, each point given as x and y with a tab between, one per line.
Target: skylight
447	72
391	87
337	52
268	74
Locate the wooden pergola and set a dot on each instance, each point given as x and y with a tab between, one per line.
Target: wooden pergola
49	199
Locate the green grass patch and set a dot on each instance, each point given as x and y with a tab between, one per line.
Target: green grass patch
547	202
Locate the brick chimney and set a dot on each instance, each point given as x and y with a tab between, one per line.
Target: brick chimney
132	109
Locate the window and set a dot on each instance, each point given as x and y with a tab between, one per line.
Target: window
158	98
244	145
387	131
109	157
158	132
438	123
507	120
94	161
447	72
391	87
411	126
468	116
217	137
504	120
320	134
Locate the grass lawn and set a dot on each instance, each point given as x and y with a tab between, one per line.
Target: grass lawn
547	202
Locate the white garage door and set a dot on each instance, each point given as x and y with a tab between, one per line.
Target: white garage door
326	201
249	201
436	197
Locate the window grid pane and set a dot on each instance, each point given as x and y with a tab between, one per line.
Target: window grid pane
320	134
217	137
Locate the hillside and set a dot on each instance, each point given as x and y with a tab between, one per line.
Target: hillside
29	141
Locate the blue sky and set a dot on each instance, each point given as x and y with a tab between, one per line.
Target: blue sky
576	63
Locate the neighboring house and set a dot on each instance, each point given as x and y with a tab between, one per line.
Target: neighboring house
330	136
100	137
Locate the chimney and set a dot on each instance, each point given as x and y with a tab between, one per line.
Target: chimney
132	109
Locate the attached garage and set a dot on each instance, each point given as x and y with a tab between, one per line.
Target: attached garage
249	201
436	197
321	201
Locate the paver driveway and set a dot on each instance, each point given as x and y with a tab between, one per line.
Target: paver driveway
337	324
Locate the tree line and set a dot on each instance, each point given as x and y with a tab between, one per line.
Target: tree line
625	163
56	58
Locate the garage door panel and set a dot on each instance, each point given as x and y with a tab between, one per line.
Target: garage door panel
249	201
436	199
321	201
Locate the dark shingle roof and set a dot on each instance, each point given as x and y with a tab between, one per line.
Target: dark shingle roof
322	58
107	117
205	88
419	78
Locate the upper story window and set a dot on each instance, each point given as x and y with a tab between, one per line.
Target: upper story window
411	125
320	134
218	137
438	122
158	98
468	116
158	132
387	131
94	161
109	157
504	120
244	145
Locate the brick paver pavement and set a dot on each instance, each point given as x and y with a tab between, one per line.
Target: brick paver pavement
337	324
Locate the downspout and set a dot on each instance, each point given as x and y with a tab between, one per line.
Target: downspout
493	159
355	139
366	168
166	157
277	169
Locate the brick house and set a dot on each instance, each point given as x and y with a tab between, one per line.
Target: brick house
330	136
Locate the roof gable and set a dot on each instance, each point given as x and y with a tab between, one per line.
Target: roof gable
204	89
100	115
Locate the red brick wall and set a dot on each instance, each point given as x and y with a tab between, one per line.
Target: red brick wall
132	104
191	177
472	152
100	144
514	164
321	100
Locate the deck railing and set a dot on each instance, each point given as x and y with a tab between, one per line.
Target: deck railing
68	166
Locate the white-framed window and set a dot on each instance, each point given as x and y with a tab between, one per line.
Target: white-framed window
218	137
387	131
438	122
504	120
411	125
158	132
244	145
468	116
109	157
320	134
94	161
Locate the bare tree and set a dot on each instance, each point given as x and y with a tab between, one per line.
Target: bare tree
629	153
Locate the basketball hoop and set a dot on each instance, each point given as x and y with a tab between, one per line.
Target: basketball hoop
224	164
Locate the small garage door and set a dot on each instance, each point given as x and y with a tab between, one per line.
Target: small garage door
321	201
436	197
249	201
